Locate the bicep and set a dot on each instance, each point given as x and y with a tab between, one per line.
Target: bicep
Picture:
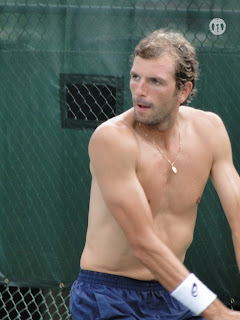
114	164
224	175
227	184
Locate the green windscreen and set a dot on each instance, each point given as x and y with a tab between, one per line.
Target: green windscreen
64	70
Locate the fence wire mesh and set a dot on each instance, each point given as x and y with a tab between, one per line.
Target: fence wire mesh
25	303
46	123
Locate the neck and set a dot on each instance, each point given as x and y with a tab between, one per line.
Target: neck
164	122
164	133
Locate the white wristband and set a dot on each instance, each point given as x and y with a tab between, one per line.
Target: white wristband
193	294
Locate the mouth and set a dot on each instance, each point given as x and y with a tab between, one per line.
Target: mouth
141	106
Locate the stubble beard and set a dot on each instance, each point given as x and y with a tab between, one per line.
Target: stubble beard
159	119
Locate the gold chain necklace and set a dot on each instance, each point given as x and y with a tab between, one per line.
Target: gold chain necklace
174	169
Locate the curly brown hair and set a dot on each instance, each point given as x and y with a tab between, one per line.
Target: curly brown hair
162	41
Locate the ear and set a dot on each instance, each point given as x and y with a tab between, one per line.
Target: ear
184	92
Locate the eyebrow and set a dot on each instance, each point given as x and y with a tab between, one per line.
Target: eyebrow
132	72
159	79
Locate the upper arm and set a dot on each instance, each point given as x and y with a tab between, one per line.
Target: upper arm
113	154
223	173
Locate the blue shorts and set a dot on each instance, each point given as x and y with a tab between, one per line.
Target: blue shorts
101	296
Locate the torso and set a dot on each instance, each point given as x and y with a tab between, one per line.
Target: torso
173	198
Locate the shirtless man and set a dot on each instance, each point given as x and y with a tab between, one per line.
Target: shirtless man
149	168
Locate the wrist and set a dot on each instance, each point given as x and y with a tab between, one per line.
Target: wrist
193	294
215	311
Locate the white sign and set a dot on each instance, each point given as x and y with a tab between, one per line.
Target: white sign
217	26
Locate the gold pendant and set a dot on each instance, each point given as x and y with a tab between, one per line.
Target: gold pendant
174	169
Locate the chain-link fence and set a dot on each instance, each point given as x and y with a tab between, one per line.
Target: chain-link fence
65	69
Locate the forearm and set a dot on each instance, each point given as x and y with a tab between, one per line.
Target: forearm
160	260
233	215
236	243
170	272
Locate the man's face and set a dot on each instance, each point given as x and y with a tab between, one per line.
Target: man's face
153	88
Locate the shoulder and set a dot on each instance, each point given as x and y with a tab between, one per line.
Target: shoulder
203	120
210	128
116	135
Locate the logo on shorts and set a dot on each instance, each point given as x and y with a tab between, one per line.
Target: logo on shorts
217	26
194	290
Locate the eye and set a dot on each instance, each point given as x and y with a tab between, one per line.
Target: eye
134	76
155	81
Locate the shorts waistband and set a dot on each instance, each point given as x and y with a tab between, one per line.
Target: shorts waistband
99	278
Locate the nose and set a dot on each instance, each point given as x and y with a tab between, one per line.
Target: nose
141	89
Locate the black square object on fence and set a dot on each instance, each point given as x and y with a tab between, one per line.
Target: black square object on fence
89	100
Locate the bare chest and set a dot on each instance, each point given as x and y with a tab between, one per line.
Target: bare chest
169	191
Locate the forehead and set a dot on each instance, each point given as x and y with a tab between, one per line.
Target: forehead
163	66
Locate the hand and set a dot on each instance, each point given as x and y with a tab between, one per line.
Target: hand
232	315
228	315
217	311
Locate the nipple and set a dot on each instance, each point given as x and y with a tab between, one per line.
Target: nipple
198	200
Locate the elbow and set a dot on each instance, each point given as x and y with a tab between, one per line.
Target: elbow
138	250
142	248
